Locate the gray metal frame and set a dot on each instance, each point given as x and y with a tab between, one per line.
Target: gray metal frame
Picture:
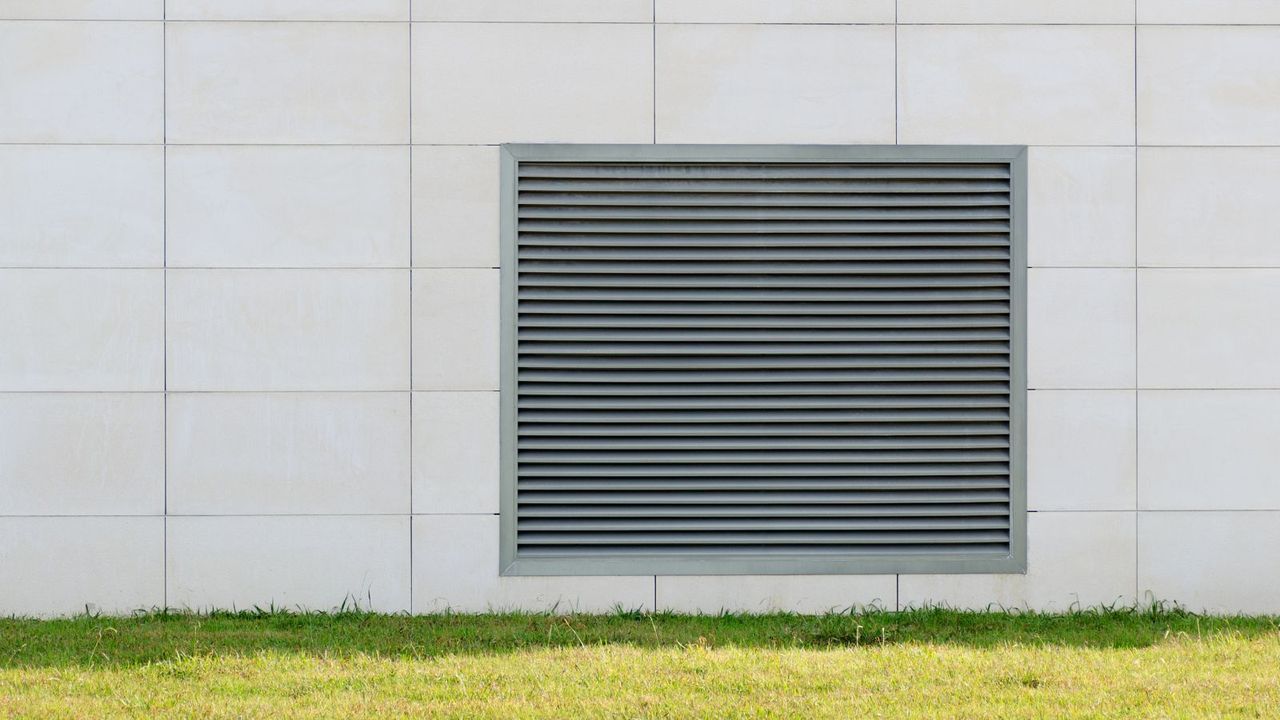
1014	562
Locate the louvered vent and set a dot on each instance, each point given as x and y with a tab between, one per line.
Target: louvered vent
763	359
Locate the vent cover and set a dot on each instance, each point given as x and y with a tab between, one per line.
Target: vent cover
763	359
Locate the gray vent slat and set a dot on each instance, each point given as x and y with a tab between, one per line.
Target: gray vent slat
755	499
573	213
751	430
685	322
623	477
848	469
790	509
733	358
773	443
587	402
768	292
929	267
829	457
791	309
540	286
772	416
758	362
727	199
778	241
904	373
791	553
979	522
768	172
762	226
634	349
798	483
917	391
752	254
761	537
769	185
762	335
773	375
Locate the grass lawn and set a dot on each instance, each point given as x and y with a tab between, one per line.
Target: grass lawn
920	664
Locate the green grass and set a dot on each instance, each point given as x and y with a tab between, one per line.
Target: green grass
919	664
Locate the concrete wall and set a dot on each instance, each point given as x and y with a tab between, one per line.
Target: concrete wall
248	304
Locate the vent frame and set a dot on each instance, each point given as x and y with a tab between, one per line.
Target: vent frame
513	564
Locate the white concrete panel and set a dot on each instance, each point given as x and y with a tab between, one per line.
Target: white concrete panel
456	329
81	454
1220	562
287	10
1080	328
234	82
52	566
1074	560
288	329
774	84
815	594
81	329
455	567
455	206
455	452
81	9
771	11
1209	449
1080	207
242	206
1209	207
81	82
495	83
288	453
540	11
293	563
1016	11
1208	12
81	206
1035	85
1081	450
1208	328
1208	85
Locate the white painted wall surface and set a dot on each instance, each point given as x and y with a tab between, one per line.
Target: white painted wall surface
248	280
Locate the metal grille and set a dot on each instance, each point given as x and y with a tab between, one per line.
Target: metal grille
738	360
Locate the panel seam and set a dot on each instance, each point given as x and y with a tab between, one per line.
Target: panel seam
1137	428
164	290
410	272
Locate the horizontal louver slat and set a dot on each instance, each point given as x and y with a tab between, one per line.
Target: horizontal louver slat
788	443
755	323
770	185
772	214
771	429
534	389
731	358
768	172
790	483
776	240
991	522
756	254
757	537
788	552
794	507
760	335
729	199
757	499
762	226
